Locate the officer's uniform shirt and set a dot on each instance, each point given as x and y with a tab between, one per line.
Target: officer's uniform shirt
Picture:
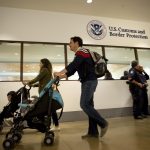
134	75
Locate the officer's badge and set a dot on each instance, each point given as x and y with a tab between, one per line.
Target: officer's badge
131	72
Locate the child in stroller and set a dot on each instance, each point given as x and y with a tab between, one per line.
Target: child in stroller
10	108
37	115
14	99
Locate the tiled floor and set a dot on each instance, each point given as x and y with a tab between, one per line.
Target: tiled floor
124	133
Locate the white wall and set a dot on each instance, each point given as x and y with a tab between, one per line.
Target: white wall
109	94
31	25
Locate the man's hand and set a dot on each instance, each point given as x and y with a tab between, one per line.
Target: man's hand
57	74
60	75
145	84
140	85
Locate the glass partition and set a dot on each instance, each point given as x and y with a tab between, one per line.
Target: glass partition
144	59
33	53
9	61
119	60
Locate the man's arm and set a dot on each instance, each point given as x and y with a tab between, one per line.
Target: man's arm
61	74
71	68
131	78
136	83
146	75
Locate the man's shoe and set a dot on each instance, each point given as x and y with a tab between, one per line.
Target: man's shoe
89	136
104	130
144	116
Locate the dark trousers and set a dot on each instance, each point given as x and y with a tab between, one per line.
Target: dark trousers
2	116
137	101
86	102
55	118
6	113
145	102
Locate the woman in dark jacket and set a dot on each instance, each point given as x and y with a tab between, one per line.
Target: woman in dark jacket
41	108
44	76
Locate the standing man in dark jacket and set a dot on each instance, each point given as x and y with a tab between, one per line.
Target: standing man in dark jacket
136	88
144	77
84	65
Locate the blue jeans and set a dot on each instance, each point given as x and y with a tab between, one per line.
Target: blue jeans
87	104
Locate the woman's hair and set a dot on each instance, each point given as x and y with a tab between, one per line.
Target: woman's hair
46	64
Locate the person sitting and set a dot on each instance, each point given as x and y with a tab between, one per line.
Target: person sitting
108	76
125	75
10	108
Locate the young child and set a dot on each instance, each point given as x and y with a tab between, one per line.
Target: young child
10	108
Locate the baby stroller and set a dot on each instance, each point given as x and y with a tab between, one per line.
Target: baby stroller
37	116
14	99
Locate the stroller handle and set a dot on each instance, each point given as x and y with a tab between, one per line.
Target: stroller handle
56	80
49	85
25	86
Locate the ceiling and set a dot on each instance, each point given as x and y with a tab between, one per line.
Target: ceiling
137	10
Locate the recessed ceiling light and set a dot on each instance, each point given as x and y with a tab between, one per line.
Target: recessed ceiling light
89	1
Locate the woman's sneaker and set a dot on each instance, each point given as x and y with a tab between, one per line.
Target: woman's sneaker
55	128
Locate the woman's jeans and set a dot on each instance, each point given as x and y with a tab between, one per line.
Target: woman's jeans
86	102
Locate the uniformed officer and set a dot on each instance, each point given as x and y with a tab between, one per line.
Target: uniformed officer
135	87
144	77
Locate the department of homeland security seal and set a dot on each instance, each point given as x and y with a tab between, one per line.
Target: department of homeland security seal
96	29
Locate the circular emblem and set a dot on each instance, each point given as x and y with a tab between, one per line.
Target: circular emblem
96	29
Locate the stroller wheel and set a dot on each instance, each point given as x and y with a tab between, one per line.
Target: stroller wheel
8	144
9	135
50	133
49	140
11	130
17	137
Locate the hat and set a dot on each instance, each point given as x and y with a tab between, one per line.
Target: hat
11	93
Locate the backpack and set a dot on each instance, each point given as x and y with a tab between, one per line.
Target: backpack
100	63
